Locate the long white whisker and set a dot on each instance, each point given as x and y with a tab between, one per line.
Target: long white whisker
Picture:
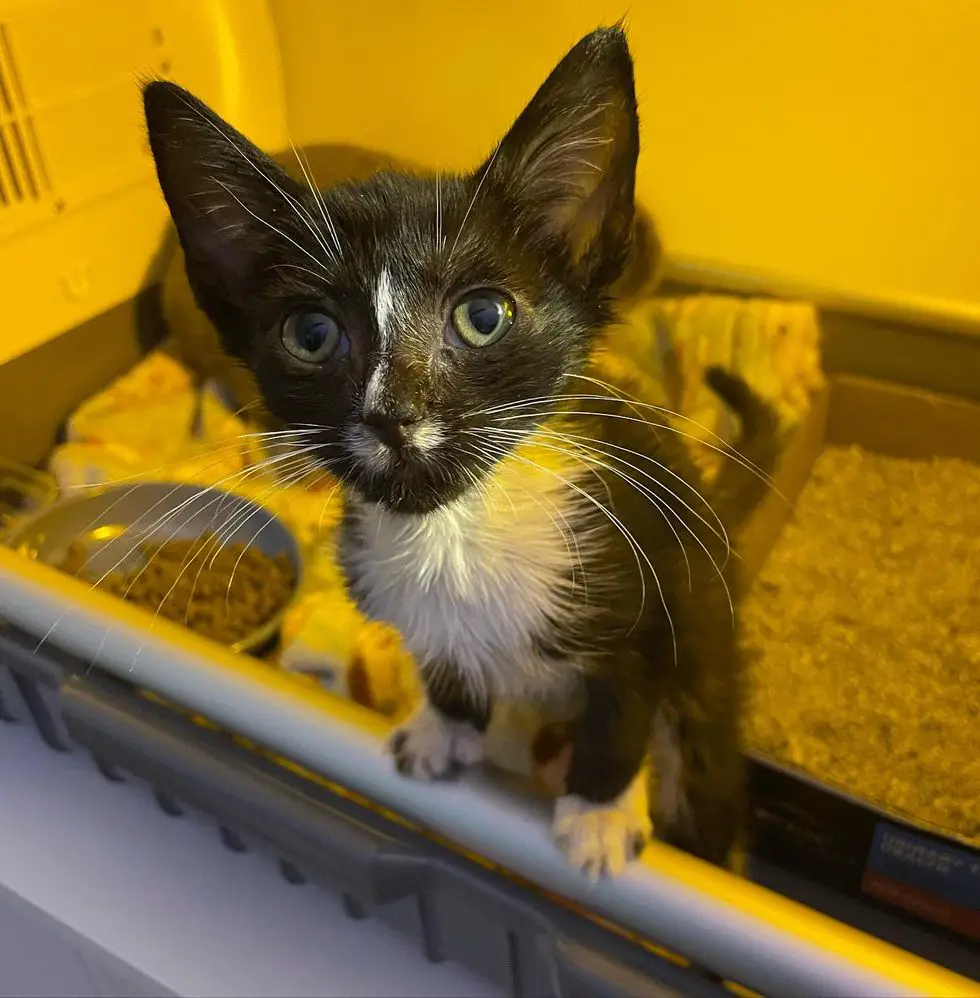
580	439
569	452
141	477
191	556
269	225
567	533
218	499
286	483
325	507
616	393
627	535
663	506
637	550
157	524
289	199
476	194
284	434
304	165
235	522
723	535
132	549
137	480
661	501
292	462
288	462
726	451
633	402
720	532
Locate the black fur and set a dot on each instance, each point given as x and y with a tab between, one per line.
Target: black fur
686	667
548	218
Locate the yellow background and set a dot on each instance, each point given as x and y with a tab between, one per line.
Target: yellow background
824	147
829	143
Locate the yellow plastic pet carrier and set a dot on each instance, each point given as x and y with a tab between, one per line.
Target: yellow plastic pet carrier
770	144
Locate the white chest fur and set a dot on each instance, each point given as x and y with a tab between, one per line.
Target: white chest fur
473	584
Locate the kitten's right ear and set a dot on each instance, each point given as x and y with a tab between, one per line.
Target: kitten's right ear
229	201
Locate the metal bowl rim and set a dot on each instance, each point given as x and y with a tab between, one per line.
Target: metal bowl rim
258	637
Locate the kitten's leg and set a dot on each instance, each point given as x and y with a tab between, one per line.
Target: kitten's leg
603	820
701	799
446	732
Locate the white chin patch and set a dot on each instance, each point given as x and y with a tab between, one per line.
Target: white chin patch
601	839
429	746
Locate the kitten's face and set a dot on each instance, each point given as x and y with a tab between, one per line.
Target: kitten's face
411	319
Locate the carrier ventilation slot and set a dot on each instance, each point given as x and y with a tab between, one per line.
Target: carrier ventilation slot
22	175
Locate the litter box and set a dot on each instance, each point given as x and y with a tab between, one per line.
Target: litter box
468	868
818	828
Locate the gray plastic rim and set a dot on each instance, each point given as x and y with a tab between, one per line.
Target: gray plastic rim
475	812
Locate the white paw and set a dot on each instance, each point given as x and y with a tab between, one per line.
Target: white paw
429	746
600	839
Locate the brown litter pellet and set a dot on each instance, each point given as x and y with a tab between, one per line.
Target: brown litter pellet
223	593
864	636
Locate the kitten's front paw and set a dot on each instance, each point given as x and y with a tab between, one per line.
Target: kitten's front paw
430	746
600	839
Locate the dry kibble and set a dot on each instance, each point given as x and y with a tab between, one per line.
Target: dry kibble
221	594
863	633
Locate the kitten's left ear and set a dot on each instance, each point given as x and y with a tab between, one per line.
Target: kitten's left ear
570	158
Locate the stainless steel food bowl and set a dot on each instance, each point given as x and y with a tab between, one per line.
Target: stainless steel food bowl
112	525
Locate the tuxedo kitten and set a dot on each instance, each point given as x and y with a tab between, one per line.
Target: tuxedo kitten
531	530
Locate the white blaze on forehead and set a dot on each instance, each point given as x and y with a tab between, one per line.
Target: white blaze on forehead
384	305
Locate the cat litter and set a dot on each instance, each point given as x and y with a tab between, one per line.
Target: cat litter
864	633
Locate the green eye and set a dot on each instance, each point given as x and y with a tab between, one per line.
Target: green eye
482	318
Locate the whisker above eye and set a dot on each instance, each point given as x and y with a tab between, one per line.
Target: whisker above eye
304	165
269	225
476	194
440	240
301	213
294	266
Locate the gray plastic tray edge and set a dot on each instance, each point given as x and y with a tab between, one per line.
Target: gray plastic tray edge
374	865
756	952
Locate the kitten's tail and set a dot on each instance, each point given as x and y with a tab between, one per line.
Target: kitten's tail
742	485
